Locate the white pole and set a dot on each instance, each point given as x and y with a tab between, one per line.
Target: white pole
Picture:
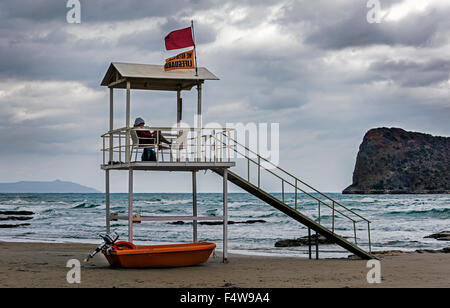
194	203
130	205
179	116
111	153
199	119
127	142
111	123
225	215
178	106
107	201
195	49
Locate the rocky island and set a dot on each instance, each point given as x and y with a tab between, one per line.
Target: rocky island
394	161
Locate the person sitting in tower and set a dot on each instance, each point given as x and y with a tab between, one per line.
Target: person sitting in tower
148	138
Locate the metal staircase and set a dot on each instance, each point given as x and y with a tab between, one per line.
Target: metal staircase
330	213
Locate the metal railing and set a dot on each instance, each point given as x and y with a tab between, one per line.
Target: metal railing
299	186
123	145
218	145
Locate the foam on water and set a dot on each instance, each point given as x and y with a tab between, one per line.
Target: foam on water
398	221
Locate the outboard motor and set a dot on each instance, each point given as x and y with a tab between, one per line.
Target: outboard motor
108	240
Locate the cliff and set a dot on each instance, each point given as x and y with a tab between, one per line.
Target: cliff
392	160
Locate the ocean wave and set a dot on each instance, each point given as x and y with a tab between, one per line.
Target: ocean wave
179	201
164	210
86	206
261	214
165	202
429	212
151	202
48	211
367	200
52	203
240	203
16	201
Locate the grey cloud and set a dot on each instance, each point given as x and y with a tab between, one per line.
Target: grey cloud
341	25
357	32
153	39
412	74
321	14
46	50
111	10
145	40
48	117
99	10
267	82
36	10
292	86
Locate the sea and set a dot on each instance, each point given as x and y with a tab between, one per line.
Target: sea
398	222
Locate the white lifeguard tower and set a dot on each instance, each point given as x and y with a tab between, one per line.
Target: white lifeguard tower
215	149
190	151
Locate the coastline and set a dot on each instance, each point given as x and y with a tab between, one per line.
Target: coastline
360	191
44	265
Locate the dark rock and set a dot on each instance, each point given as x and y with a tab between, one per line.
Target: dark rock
288	243
252	221
303	241
441	236
15	218
394	161
427	251
13	226
443	250
230	222
179	222
216	223
16	213
390	252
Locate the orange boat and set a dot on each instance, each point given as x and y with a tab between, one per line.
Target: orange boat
125	254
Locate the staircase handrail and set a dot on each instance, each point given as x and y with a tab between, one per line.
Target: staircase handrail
295	186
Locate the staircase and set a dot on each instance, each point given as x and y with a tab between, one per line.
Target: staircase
337	211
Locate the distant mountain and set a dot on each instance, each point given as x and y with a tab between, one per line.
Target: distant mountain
394	161
45	187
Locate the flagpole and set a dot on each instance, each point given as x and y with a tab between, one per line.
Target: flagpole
195	50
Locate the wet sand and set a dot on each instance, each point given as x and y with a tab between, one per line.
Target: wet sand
44	265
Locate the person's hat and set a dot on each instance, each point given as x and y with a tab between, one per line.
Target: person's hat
139	121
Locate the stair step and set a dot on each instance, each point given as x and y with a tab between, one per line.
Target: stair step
301	218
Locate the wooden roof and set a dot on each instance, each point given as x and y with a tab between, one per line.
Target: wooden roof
153	77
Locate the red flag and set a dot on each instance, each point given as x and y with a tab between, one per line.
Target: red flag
179	39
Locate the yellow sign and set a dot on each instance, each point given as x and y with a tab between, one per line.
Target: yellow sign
184	60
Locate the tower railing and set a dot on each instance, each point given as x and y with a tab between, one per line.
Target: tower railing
185	145
336	210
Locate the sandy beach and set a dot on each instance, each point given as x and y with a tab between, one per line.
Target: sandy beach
44	265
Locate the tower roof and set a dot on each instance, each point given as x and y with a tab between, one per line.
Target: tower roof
153	77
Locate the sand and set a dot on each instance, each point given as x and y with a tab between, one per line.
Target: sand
44	265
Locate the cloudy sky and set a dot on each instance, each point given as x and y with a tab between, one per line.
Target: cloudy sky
318	68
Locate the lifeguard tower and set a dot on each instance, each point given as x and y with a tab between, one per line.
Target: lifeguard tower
214	149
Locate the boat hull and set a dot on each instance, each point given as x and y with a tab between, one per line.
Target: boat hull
173	255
